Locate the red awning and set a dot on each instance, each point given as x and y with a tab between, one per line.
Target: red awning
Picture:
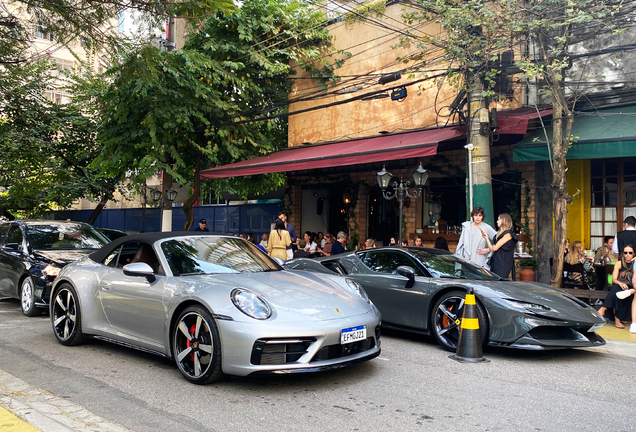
378	149
516	121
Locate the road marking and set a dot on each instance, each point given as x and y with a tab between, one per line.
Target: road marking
10	422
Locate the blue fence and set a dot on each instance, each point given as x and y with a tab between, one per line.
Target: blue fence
230	219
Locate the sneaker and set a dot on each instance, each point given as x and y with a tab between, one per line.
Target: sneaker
624	294
632	328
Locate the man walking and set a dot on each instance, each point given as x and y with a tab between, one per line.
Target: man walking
292	233
625	237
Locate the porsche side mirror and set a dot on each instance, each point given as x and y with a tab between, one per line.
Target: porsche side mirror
408	273
139	269
279	261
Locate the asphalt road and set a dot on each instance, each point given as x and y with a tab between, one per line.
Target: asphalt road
412	386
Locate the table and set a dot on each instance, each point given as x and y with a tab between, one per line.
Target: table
602	270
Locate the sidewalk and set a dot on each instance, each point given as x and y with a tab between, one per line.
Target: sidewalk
38	410
610	332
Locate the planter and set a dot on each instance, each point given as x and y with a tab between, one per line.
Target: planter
527	274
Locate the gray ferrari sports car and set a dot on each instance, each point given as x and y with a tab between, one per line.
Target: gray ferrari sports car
422	290
216	305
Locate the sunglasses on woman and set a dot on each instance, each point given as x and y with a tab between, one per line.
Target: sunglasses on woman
628	253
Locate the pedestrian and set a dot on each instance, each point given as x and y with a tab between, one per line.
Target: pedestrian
503	250
620	299
441	243
202	226
418	241
392	242
625	237
472	245
279	240
405	242
292	234
264	238
338	246
369	244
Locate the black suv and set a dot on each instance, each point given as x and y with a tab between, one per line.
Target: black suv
32	254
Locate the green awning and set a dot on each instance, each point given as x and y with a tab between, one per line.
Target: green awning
598	134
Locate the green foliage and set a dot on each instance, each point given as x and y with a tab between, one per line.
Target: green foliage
45	148
164	108
95	22
376	8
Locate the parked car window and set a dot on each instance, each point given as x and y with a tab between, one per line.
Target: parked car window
15	236
64	236
4	228
111	259
388	261
209	255
450	265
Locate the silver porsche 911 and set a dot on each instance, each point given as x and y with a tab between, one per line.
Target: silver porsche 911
216	305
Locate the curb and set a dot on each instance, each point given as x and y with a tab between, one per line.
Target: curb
47	412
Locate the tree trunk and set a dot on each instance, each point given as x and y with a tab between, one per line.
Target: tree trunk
98	209
560	197
196	192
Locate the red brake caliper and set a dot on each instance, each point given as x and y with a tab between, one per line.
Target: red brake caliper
188	341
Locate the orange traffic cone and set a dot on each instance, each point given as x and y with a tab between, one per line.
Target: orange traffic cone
469	344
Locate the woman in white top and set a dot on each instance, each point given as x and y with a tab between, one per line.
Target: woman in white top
310	244
472	246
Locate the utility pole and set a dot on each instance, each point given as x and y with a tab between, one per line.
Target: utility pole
166	179
479	136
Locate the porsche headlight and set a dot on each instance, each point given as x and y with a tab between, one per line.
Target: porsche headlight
527	306
251	304
358	288
50	270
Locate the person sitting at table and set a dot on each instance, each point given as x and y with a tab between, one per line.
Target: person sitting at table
606	251
575	256
441	243
326	249
369	244
405	242
623	282
418	241
310	244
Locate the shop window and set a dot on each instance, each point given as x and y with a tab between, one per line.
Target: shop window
613	186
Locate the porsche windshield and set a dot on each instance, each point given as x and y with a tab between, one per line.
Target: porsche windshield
451	266
64	236
209	255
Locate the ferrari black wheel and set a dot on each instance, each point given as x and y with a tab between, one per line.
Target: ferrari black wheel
446	320
65	315
196	346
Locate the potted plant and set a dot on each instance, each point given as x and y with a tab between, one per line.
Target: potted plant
527	272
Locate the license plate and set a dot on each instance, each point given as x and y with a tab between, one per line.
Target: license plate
596	327
353	334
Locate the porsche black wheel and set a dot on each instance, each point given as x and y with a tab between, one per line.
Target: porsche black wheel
196	346
65	316
446	320
27	298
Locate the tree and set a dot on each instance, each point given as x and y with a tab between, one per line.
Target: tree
64	21
181	111
45	148
476	32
